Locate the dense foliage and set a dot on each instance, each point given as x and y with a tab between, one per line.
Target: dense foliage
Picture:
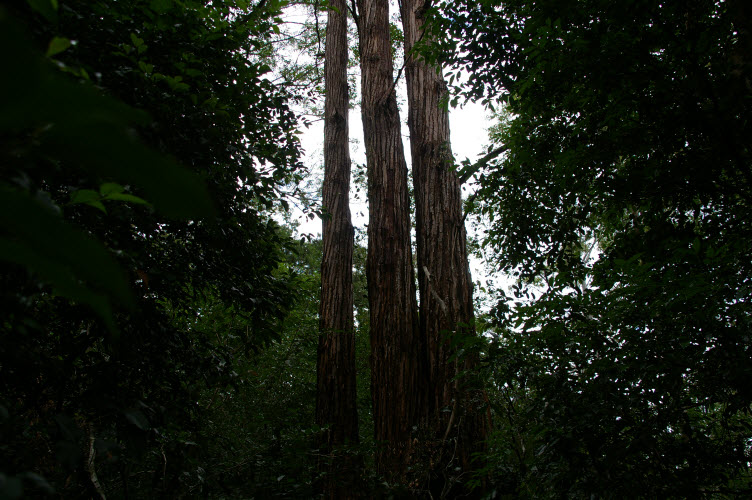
111	252
623	206
158	328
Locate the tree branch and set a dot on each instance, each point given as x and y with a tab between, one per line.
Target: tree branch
90	464
468	171
318	30
354	12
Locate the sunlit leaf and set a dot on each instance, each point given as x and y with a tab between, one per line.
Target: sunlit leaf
109	188
126	197
58	45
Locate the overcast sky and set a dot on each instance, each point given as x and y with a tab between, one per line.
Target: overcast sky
469	137
468	133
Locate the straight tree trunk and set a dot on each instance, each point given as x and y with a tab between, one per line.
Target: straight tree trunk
335	387
397	381
446	290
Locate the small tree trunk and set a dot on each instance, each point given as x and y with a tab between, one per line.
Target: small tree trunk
336	404
446	290
397	384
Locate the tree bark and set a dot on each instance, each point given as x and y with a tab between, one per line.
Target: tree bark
446	290
336	403
397	384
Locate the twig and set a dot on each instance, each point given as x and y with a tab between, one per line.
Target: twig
399	74
90	465
354	12
318	29
449	425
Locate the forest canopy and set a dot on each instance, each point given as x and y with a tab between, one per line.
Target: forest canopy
160	316
623	206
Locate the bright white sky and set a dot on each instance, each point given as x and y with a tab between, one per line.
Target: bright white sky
468	125
469	136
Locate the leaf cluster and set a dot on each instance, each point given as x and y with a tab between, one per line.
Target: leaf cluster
142	152
621	206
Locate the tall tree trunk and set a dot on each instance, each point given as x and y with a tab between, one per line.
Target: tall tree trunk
446	290
335	387
397	384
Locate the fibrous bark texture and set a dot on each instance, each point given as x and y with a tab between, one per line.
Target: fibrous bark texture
335	389
446	299
396	349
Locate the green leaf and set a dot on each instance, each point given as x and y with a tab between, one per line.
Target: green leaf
58	45
54	272
90	130
77	265
146	68
137	42
127	197
84	196
88	197
97	204
109	188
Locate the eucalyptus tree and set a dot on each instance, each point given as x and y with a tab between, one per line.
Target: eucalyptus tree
445	285
398	383
336	402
